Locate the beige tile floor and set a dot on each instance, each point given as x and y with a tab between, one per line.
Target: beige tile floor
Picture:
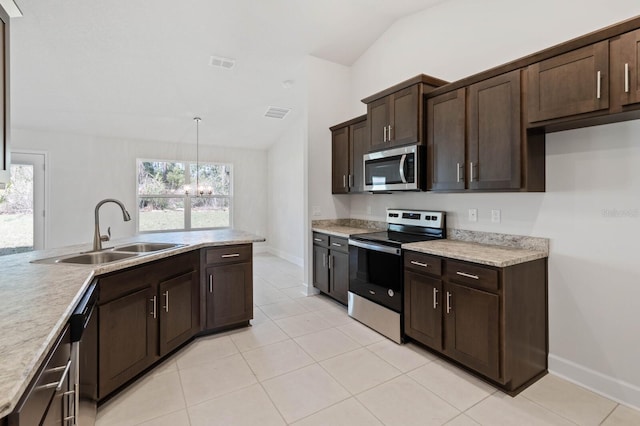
305	362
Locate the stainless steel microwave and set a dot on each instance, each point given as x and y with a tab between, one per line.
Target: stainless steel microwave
398	169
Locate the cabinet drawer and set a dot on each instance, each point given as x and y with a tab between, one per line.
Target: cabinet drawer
423	263
320	239
473	275
39	394
339	244
228	254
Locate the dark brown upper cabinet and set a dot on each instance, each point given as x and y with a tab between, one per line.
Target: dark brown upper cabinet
349	143
625	71
395	115
446	135
570	84
476	139
5	153
494	137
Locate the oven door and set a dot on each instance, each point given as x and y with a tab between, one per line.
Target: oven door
375	273
393	170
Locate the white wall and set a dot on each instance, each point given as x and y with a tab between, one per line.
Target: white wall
86	169
591	174
286	200
329	92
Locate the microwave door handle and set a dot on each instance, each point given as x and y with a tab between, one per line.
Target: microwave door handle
402	161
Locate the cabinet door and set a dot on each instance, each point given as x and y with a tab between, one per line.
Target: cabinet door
127	338
378	118
423	309
359	137
446	141
574	83
340	161
5	128
625	68
179	311
405	116
494	126
321	268
339	276
229	295
471	327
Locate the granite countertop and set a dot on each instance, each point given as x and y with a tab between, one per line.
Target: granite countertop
37	299
346	227
485	254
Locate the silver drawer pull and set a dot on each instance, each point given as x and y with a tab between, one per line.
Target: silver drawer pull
464	274
336	244
372	292
319	240
424	265
224	256
57	385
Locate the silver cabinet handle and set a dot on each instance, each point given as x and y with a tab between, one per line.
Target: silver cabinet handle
470	172
389	132
344	181
384	130
330	262
435	298
457	172
464	274
626	78
424	265
155	304
448	302
166	301
318	240
57	385
324	260
210	283
336	244
225	256
598	84
372	292
350	181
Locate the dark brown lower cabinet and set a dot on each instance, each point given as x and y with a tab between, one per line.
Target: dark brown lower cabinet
331	266
144	313
490	320
229	296
228	299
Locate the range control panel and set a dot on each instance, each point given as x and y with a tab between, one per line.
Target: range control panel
426	218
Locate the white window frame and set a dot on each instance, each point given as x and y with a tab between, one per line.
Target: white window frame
187	198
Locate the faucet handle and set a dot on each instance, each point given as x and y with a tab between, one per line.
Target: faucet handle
106	237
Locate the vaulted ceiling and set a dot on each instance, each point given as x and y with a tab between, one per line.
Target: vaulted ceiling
139	69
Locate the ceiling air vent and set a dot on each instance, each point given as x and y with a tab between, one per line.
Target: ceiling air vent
277	112
220	62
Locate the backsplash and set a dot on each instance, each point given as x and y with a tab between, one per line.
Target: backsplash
495	239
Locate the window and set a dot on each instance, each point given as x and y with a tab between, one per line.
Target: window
170	198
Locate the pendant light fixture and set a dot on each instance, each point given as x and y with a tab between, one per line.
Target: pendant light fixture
201	191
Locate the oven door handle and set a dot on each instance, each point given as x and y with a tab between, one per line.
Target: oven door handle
375	247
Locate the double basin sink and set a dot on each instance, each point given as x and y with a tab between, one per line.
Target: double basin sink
111	255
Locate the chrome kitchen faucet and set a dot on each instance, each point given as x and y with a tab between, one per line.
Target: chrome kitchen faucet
97	238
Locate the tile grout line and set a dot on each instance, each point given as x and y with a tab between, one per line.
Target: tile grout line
610	413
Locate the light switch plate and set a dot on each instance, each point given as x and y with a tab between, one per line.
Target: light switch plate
473	215
496	216
316	211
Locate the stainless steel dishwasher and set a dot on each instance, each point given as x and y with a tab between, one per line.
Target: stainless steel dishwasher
84	355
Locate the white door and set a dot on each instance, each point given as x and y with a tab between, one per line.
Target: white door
22	205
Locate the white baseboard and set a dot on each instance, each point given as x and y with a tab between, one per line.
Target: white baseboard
618	390
286	256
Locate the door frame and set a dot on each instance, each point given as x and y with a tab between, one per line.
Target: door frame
40	192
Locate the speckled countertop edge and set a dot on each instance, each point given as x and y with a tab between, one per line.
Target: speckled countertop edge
36	300
346	227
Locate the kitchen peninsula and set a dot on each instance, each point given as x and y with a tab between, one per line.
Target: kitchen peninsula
37	299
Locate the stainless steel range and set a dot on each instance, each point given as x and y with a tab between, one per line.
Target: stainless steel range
376	268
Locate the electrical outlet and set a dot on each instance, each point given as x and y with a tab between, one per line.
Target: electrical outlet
495	216
473	215
316	211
